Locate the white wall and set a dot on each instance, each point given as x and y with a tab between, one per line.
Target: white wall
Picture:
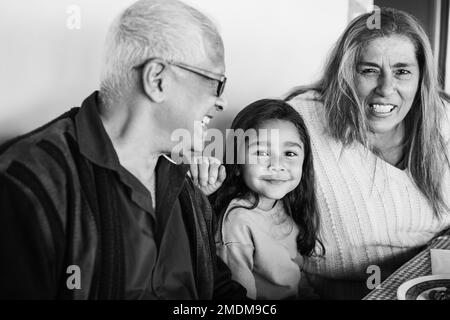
45	68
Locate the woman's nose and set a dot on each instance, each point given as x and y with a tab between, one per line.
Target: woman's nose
386	85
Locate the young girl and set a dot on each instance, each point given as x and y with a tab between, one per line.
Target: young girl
267	203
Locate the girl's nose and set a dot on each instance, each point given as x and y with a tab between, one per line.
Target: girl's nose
276	165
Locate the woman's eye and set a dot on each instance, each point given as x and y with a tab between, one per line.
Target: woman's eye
403	72
368	71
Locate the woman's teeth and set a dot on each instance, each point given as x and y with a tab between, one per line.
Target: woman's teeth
382	108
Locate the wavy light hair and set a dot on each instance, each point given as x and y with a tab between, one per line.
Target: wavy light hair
167	29
424	147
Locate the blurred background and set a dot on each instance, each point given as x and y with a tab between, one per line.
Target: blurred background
51	49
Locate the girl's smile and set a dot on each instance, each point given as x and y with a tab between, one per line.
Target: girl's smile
274	166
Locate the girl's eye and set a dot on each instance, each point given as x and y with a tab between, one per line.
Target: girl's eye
262	153
291	154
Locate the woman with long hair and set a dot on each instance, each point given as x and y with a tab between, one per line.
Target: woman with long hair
379	127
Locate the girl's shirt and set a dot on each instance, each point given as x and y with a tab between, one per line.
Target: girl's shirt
260	249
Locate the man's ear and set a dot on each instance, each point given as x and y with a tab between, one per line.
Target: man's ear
154	80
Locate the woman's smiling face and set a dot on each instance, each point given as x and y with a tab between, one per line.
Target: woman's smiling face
387	79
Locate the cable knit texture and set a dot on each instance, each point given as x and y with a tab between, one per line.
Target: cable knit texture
260	249
371	212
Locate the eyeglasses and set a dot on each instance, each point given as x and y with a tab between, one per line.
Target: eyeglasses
220	78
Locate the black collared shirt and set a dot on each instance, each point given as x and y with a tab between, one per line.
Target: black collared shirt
155	268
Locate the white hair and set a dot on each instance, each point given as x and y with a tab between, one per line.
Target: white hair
167	29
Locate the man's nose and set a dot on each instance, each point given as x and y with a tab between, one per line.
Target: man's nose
386	85
221	103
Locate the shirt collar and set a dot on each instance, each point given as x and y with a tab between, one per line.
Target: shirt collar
93	140
96	145
170	179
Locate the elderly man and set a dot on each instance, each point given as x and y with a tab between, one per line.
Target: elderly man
91	206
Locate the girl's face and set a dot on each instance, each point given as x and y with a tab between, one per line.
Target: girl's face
274	161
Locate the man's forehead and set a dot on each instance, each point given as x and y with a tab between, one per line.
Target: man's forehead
216	60
219	67
213	65
213	56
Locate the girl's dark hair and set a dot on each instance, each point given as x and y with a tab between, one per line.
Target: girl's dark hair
300	203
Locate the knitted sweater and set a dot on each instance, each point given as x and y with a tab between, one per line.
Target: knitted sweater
260	249
371	212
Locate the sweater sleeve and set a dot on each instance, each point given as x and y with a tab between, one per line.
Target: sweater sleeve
25	268
224	285
237	251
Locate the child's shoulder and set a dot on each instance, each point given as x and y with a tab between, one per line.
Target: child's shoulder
238	210
236	223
